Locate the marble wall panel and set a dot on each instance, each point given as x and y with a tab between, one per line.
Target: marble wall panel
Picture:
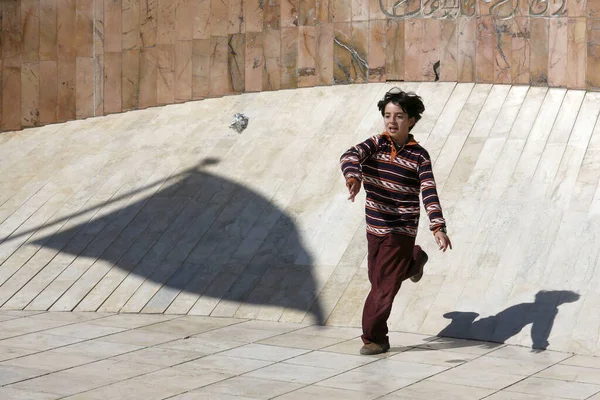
148	77
557	8
342	56
430	49
289	13
360	10
484	8
360	52
272	43
98	30
324	11
235	17
48	91
467	49
412	48
449	51
99	85
253	15
200	68
576	8
219	19
375	11
84	87
236	62
130	83
12	45
112	25
503	63
112	82
376	50
183	70
576	49
307	12
289	58
130	24
219	82
507	9
1	93
11	65
30	29
272	74
254	61
165	60
166	27
593	53
486	40
523	8
592	9
67	52
48	29
538	74
272	57
149	20
85	28
307	56
11	89
394	50
558	39
30	94
520	50
342	11
271	14
324	60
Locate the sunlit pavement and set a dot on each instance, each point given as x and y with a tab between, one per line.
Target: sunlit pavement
52	355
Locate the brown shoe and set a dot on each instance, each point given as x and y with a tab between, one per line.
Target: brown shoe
418	266
371	349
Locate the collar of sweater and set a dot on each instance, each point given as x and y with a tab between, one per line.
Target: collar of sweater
409	142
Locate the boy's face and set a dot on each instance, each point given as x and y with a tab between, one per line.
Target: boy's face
397	122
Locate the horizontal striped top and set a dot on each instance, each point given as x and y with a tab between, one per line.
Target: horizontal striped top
393	178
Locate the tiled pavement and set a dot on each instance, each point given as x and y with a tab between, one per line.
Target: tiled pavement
95	356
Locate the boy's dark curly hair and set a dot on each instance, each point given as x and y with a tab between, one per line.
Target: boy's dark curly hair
410	102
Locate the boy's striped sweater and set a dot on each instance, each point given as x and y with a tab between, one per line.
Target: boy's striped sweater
393	178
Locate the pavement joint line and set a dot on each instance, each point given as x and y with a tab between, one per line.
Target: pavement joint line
146	347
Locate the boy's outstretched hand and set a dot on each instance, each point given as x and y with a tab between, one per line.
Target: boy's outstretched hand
443	241
353	186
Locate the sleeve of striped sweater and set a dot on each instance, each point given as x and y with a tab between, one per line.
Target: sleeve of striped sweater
356	155
429	194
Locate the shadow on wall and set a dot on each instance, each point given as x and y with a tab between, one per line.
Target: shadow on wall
507	323
198	234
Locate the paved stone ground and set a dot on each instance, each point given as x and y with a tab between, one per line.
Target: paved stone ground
96	356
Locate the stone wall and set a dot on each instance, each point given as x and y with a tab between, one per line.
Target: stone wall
71	59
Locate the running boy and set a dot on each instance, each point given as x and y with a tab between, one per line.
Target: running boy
394	170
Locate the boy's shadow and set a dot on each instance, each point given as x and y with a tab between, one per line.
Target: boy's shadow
509	322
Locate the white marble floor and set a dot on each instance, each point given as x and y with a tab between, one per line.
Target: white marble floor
168	211
97	356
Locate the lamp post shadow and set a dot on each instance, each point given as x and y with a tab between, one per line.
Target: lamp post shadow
196	234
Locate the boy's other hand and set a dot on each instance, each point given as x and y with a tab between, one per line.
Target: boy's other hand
443	241
353	186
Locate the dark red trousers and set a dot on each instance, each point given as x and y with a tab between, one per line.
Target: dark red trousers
390	262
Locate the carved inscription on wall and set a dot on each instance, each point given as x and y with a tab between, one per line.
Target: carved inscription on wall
450	9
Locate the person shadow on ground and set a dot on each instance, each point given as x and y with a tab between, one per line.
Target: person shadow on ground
509	322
